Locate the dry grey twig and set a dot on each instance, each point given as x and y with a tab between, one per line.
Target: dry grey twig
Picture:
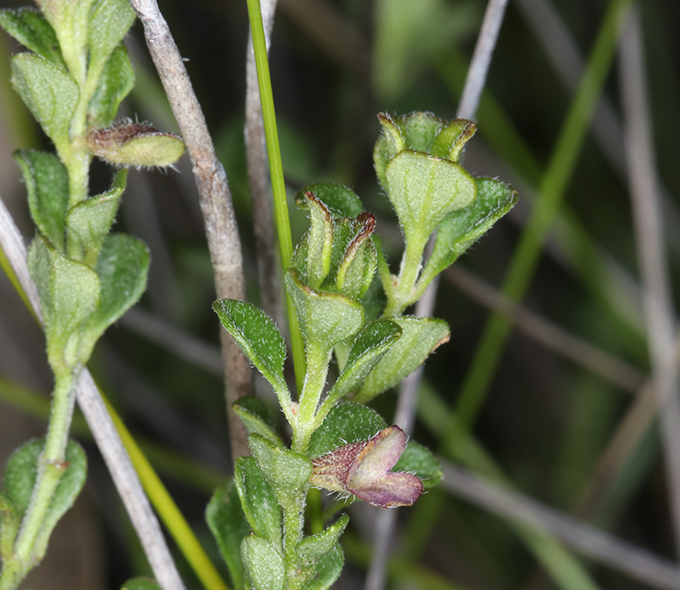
215	199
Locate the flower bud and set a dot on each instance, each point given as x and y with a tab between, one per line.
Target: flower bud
135	144
363	469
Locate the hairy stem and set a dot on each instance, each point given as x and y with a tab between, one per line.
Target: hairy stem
50	469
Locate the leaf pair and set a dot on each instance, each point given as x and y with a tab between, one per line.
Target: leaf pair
416	162
264	346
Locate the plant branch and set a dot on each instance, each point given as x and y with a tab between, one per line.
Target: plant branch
649	236
408	392
214	195
112	449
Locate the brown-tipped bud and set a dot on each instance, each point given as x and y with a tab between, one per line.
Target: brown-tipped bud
364	469
135	144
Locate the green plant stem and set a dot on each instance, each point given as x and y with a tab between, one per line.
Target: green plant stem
315	380
277	180
403	294
552	191
50	469
293	524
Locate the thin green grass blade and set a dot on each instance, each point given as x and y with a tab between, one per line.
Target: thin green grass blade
276	173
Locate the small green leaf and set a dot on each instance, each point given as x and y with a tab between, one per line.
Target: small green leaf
369	347
461	228
319	241
122	268
389	144
48	92
314	548
20	477
31	29
264	566
341	200
110	20
258	500
360	259
452	138
420	337
419	130
69	293
346	423
69	21
421	462
47	185
140	584
424	189
257	336
255	416
285	470
115	83
229	526
325	318
323	574
90	220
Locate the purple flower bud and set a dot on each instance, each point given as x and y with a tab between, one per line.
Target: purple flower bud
363	469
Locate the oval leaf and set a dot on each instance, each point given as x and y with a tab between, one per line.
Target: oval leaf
21	474
316	547
122	268
47	186
89	222
258	337
110	20
368	349
284	469
264	566
115	83
258	500
424	189
462	228
32	30
325	319
420	337
49	93
69	293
